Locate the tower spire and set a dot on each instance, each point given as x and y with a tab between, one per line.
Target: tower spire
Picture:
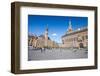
47	27
46	36
70	26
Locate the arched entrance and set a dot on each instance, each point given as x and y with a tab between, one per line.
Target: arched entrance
81	45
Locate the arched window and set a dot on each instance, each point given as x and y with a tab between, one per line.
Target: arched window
63	41
83	38
86	37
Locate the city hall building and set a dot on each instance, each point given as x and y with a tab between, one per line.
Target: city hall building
75	39
41	41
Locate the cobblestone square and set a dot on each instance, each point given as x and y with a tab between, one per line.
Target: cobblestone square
57	53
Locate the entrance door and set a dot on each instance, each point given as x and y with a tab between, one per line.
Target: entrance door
81	45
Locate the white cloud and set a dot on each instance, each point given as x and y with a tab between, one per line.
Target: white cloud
54	34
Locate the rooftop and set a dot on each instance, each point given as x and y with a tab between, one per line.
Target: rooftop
76	31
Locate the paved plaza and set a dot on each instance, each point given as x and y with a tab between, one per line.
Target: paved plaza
57	53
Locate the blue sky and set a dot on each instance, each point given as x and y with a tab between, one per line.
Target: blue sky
57	25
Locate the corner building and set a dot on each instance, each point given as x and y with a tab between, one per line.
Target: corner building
75	39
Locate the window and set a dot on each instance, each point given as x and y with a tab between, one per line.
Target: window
86	37
63	41
83	38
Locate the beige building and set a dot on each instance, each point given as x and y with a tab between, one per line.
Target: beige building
77	38
41	41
